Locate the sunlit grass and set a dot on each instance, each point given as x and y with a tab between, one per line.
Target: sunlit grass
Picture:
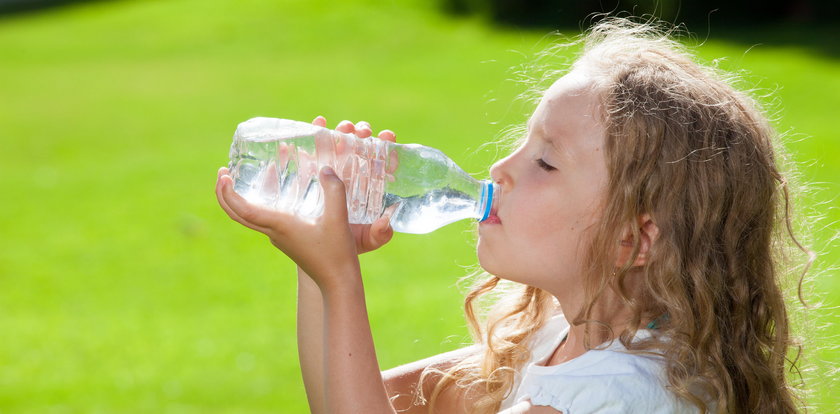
123	286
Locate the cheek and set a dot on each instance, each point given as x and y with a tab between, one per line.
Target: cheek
543	240
552	237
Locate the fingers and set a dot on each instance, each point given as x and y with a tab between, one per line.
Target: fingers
361	129
237	208
220	183
380	232
335	197
387	135
346	127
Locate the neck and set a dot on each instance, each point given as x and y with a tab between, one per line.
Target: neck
609	316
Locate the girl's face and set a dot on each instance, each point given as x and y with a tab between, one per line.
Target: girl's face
551	189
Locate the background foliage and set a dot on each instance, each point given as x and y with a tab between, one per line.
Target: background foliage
124	287
697	12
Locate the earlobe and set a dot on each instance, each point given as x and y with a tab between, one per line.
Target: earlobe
648	234
651	232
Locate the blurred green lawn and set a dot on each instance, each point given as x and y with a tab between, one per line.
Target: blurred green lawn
124	288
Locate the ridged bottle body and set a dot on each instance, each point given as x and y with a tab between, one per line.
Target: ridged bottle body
275	163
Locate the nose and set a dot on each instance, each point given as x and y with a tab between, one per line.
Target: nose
499	172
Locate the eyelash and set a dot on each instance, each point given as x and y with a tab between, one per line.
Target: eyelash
542	164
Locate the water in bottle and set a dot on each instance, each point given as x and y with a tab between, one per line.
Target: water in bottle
275	163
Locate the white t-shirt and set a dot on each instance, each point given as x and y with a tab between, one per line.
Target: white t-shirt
608	380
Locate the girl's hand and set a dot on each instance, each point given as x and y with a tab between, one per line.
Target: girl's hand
368	237
323	248
306	242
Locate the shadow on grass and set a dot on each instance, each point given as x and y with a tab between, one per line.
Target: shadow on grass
822	39
10	8
808	24
819	38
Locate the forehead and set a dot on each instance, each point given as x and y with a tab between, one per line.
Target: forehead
570	107
572	94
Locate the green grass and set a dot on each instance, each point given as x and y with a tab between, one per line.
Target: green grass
125	288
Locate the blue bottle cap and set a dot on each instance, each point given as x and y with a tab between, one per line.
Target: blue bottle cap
487	196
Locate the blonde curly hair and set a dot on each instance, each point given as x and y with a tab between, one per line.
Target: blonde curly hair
701	158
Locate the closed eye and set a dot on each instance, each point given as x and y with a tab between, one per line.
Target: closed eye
542	164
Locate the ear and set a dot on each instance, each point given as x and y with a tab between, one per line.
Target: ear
648	233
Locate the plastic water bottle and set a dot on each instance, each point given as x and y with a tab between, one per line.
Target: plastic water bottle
275	163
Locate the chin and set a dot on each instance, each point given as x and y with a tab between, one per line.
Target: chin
485	262
497	266
484	253
493	264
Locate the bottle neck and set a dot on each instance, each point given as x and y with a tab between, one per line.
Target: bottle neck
487	203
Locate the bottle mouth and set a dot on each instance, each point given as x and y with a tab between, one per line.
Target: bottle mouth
489	193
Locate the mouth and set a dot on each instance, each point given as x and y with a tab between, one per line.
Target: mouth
492	218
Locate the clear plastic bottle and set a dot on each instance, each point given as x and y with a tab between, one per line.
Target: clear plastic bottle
275	163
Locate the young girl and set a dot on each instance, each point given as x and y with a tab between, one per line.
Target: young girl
637	227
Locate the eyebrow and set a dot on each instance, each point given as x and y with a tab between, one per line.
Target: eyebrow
558	147
553	142
547	138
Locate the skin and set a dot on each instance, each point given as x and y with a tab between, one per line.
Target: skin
551	188
332	315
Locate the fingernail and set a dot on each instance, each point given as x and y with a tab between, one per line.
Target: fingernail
328	170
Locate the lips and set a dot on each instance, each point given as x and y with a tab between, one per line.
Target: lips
492	218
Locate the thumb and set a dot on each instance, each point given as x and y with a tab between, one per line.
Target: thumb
380	232
335	197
